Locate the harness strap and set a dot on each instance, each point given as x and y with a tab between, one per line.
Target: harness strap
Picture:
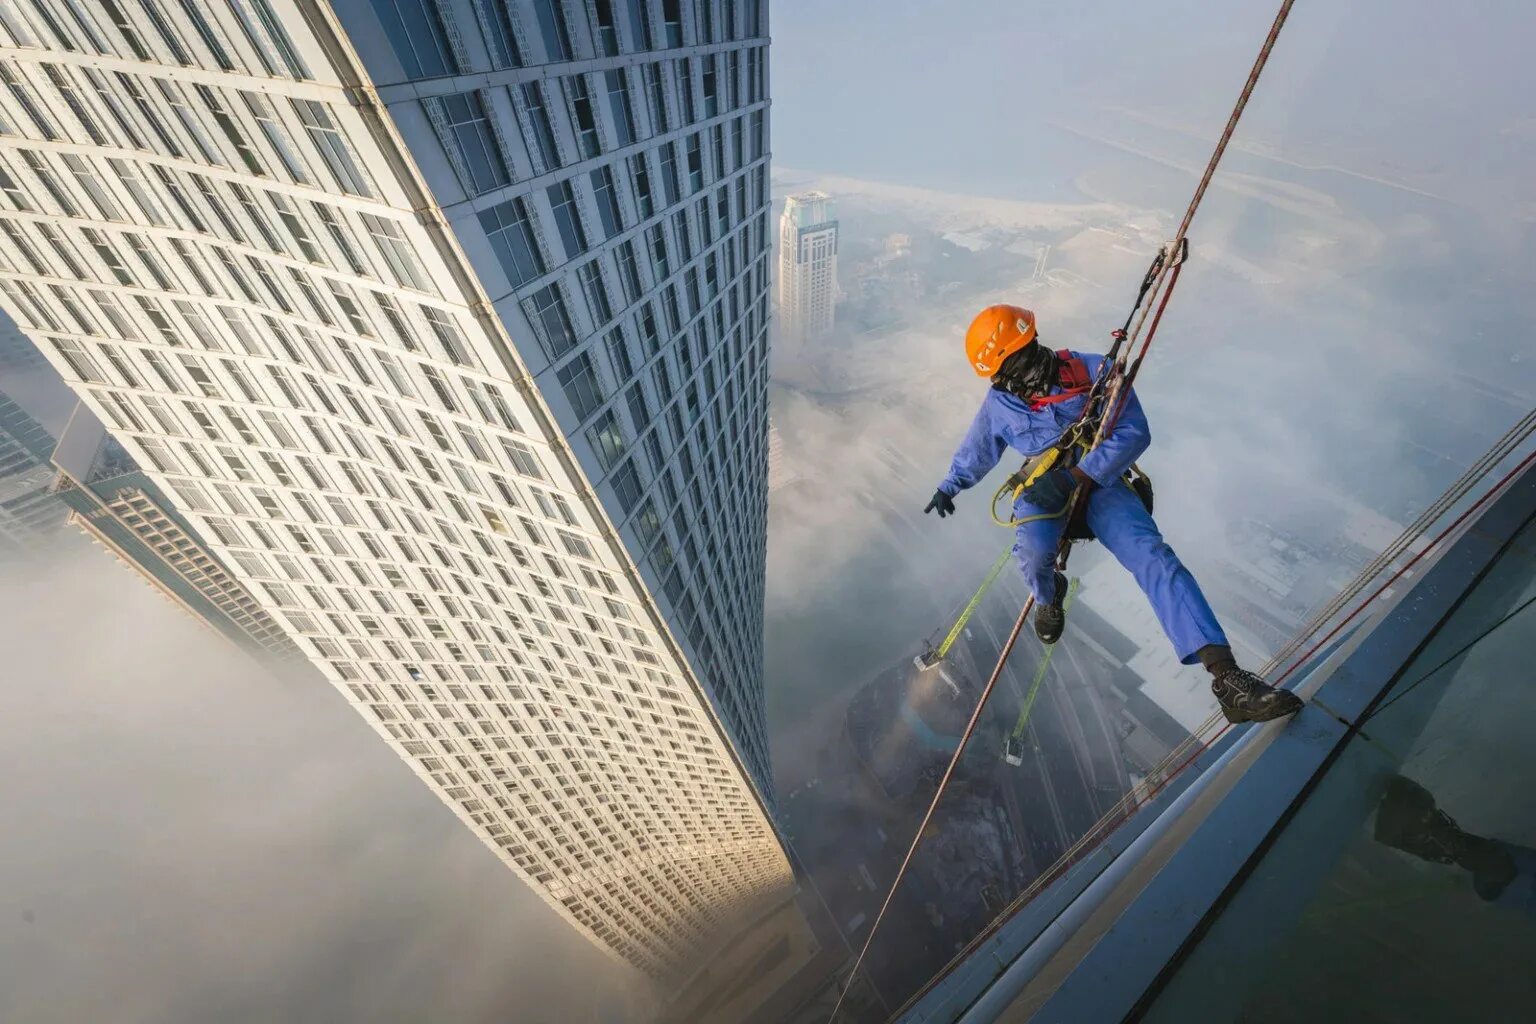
1074	380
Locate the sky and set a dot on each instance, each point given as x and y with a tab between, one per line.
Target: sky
204	841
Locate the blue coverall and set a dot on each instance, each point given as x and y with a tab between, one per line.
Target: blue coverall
1115	514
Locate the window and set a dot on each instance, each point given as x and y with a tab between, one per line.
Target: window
146	111
541	134
621	111
640	179
711	101
669	180
578	379
207	34
277	137
607	197
629	271
138	190
469	132
522	458
656	244
269	38
695	164
86	178
289	215
500	38
607	439
22	92
591	277
672	23
231	130
448	335
397	254
552	27
510	233
583	119
626	485
50	182
684	69
547	314
563	199
333	148
656	98
415	30
639	23
341	235
72	100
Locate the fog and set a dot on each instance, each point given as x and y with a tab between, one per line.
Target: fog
189	837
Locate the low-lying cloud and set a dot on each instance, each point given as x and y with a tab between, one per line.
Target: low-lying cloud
191	838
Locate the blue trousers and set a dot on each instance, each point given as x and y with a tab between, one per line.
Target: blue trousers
1124	526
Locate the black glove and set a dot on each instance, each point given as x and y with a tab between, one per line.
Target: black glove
942	503
1051	491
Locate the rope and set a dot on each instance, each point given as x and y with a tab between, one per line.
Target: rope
1121	385
970	727
1237	112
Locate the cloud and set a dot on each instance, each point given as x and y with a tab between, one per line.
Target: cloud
191	838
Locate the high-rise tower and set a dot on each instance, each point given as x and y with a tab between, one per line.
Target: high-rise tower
443	323
807	268
29	510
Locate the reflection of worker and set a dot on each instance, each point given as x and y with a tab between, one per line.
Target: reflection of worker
1408	820
1036	394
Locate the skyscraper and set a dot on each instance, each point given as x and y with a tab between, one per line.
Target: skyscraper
807	268
117	505
29	510
444	325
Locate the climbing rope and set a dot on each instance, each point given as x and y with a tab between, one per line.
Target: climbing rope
1114	381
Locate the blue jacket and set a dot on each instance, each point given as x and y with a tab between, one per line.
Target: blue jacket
1007	422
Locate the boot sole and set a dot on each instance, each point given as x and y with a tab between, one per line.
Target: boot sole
1237	716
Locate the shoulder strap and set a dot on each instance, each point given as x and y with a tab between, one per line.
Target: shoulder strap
1074	372
1073	378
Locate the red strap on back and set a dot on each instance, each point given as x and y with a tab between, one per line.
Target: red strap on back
1073	377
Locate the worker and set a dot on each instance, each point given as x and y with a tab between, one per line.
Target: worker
1036	395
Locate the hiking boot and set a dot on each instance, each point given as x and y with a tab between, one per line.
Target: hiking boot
1051	619
1244	697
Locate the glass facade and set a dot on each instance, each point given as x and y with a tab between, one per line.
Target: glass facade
1404	888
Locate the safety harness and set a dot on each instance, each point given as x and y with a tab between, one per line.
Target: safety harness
1074	379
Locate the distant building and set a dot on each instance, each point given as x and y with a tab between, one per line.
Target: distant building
779	473
116	504
28	509
807	268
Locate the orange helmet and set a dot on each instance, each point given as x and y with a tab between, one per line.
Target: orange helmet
997	333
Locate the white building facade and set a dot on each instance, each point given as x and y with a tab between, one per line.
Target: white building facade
444	323
807	268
